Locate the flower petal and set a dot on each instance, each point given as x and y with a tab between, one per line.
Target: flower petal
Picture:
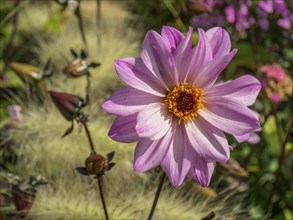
208	75
123	129
176	164
157	56
242	138
172	36
127	101
199	57
134	73
149	154
243	89
208	141
229	116
220	41
153	121
182	56
201	169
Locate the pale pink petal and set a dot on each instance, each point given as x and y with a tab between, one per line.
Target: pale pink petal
208	75
242	138
251	138
149	154
201	169
153	121
229	116
158	57
220	41
123	129
243	89
127	101
172	36
182	56
199	57
254	138
176	164
208	141
133	72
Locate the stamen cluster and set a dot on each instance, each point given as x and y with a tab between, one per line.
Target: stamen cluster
184	101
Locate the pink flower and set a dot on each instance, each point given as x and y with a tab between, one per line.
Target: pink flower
274	71
14	112
275	97
253	138
266	6
173	108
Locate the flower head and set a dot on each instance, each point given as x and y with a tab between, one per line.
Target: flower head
274	71
97	164
276	83
15	115
79	66
173	108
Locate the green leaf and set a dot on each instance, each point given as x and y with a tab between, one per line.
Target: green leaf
271	137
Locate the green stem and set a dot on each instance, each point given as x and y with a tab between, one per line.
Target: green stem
175	15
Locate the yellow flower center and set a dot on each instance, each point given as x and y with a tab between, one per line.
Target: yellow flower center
184	101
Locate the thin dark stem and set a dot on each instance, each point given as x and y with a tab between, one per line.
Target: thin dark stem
162	180
88	89
81	27
100	182
89	137
99	178
278	172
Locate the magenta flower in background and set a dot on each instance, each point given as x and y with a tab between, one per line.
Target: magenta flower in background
208	21
173	108
275	97
266	6
273	71
15	115
279	8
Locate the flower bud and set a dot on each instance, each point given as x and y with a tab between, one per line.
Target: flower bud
69	105
97	164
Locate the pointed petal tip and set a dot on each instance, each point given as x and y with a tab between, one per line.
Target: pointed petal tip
234	51
117	61
176	182
204	182
190	29
139	168
104	106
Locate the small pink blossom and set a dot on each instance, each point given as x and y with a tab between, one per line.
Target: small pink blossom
275	98
14	112
274	71
174	108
